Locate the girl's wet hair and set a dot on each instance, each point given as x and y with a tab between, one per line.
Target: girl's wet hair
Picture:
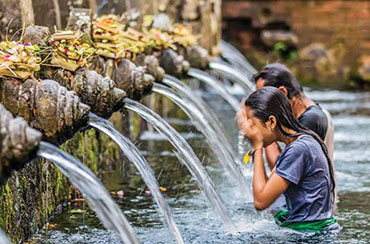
276	75
269	101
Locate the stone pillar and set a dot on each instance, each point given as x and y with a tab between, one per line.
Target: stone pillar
14	14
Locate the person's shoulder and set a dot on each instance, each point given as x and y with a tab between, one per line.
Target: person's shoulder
314	118
313	113
307	141
298	147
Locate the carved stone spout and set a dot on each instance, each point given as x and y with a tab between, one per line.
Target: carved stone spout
173	63
197	56
132	79
18	143
93	89
45	105
151	66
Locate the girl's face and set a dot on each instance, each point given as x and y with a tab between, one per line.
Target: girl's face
256	130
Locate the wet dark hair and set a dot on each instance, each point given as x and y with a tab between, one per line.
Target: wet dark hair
269	101
276	75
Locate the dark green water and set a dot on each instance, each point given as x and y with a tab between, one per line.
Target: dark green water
351	113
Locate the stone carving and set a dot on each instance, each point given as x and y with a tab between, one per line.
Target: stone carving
45	105
18	143
150	64
93	89
173	63
197	56
132	79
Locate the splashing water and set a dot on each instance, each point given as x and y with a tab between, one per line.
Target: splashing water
95	193
242	144
186	156
3	238
187	93
231	164
231	54
216	85
147	174
234	74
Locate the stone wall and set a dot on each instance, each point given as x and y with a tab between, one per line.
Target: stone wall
325	42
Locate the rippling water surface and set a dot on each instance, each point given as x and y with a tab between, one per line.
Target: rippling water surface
351	115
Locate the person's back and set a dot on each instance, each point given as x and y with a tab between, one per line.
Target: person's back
304	164
319	120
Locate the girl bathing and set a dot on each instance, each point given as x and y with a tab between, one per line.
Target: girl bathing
303	172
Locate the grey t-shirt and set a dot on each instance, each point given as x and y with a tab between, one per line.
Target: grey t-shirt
304	165
319	120
315	119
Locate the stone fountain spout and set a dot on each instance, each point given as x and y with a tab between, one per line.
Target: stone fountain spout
18	143
197	56
99	92
45	105
132	79
150	64
173	63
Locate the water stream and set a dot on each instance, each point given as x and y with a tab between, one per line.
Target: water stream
187	156
216	85
232	54
231	164
3	238
234	74
147	174
95	193
187	93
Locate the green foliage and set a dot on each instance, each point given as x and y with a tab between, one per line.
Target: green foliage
280	47
282	50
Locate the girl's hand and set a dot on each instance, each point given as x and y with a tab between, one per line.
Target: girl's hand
250	130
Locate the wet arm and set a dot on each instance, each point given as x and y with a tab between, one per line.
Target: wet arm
265	190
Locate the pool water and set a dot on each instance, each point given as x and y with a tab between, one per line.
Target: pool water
75	223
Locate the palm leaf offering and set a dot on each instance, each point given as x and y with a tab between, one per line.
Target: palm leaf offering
107	35
68	52
115	40
159	39
176	34
182	35
19	60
